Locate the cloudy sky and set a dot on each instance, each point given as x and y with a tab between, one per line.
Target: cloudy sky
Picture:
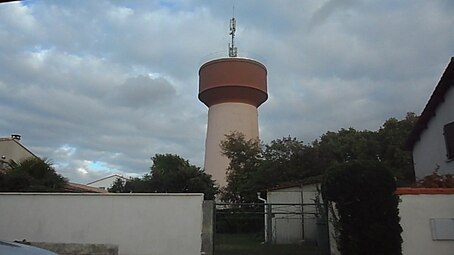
100	86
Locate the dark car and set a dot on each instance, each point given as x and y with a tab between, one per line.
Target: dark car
14	248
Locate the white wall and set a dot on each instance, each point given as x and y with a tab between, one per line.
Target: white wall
138	223
294	228
416	212
430	150
286	228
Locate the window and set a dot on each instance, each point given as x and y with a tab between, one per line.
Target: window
448	131
442	229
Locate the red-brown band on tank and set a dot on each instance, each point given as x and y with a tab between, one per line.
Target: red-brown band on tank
237	94
233	80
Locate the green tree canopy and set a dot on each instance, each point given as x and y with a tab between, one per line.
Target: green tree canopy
392	136
256	167
169	174
31	174
242	174
346	145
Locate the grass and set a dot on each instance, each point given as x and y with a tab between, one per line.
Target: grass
250	244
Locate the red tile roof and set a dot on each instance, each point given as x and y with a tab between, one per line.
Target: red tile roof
80	188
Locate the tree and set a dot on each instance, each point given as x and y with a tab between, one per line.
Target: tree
392	136
288	159
346	145
118	186
31	174
385	145
367	208
169	174
242	173
256	167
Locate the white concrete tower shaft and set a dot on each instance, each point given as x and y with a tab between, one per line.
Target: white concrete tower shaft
233	89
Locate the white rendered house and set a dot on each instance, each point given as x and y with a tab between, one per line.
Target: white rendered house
432	139
106	182
12	149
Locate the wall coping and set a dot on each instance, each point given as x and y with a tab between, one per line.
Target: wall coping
424	191
100	194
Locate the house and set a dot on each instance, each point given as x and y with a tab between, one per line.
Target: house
432	138
286	210
297	213
12	149
72	187
106	182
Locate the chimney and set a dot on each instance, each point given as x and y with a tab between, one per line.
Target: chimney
16	137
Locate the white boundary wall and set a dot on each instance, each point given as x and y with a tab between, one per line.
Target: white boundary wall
138	223
416	212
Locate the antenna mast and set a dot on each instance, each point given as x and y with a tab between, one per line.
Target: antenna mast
232	48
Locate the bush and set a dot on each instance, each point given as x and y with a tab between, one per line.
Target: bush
234	219
436	180
367	208
31	175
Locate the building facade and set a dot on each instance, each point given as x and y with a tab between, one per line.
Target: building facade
12	149
106	182
432	139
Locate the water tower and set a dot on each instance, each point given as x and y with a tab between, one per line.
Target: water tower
232	88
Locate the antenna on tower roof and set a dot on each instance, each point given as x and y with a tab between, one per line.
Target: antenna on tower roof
232	49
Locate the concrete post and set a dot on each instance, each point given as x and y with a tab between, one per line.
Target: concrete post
208	224
269	219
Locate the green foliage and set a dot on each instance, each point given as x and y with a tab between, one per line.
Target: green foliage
347	145
392	137
288	159
255	167
242	174
32	174
118	186
169	174
385	145
241	219
367	208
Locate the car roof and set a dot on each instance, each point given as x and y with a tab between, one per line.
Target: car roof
13	248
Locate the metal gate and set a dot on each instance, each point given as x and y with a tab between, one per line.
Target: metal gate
271	228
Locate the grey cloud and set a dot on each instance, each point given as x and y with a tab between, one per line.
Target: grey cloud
143	91
117	80
328	9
